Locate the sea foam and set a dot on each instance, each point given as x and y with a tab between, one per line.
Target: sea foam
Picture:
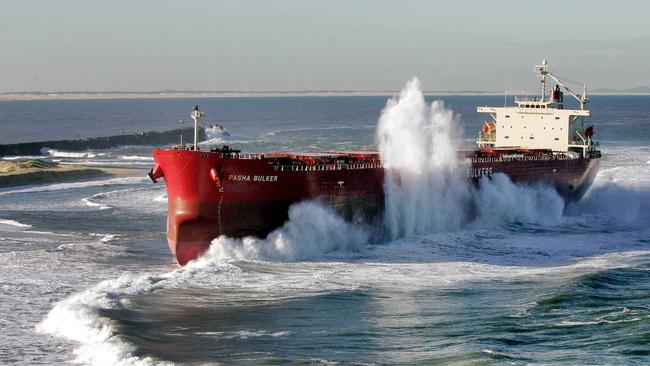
67	154
312	230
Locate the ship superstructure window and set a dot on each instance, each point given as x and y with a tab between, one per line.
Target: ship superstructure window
507	116
557	117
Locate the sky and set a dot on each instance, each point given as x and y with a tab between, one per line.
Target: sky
248	45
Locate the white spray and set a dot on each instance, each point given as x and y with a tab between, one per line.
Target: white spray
424	186
311	231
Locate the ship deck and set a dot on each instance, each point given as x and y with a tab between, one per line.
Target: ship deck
368	159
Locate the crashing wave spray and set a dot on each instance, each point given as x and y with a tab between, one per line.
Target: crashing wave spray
424	185
312	230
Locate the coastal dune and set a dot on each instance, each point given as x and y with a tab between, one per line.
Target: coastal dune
13	173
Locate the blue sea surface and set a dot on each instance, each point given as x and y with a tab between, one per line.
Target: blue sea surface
88	276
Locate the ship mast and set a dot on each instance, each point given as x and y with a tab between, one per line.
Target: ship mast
196	115
542	70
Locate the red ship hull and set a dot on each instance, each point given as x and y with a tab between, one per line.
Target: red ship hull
210	194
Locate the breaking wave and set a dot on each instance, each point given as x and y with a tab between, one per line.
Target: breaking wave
136	157
312	230
66	154
76	318
498	200
215	132
14	223
105	238
427	189
424	187
22	157
160	198
88	202
615	202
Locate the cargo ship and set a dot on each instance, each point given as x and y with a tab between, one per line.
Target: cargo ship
224	191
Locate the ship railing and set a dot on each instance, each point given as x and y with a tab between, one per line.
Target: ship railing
183	147
486	159
502	159
249	156
528	99
325	167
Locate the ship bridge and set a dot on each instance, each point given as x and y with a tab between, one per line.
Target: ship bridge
539	123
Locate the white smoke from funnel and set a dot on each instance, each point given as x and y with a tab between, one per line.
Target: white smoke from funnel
424	186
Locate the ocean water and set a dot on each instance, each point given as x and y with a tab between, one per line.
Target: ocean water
87	275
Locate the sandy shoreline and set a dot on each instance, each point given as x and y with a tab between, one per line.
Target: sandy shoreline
16	173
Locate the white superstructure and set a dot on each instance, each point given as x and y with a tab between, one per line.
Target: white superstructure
539	123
